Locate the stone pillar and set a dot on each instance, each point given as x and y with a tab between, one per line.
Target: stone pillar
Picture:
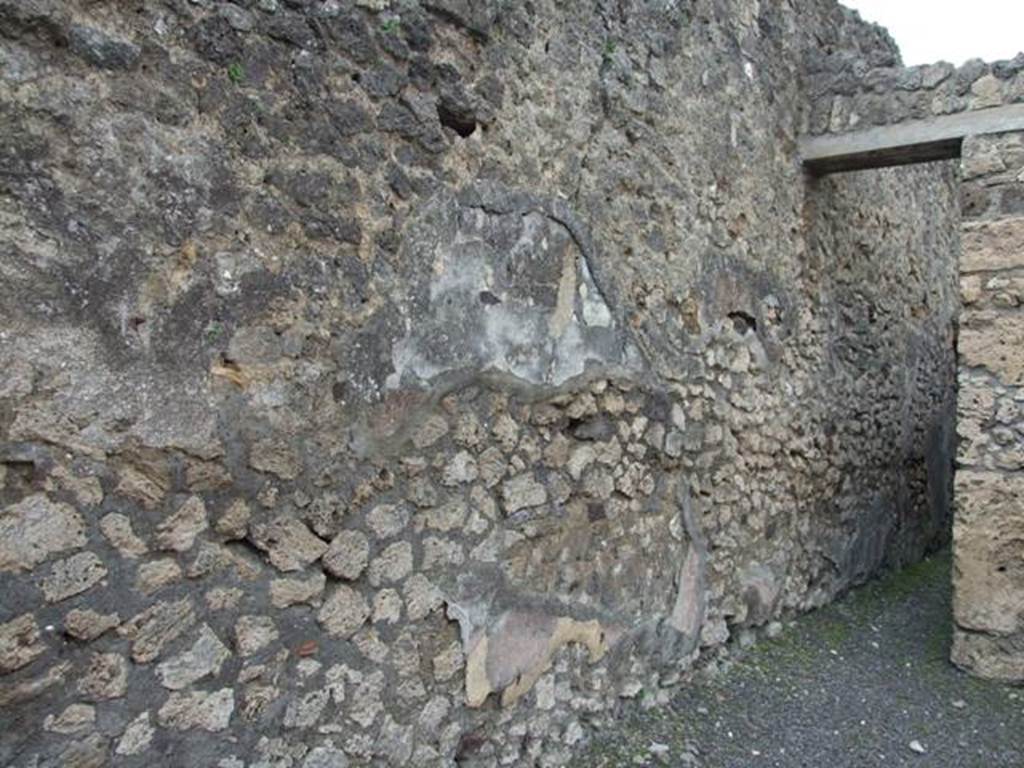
988	573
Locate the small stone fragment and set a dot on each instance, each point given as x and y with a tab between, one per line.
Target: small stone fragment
206	476
73	576
447	517
90	752
366	698
325	757
461	469
441	553
395	742
83	624
253	634
391	565
150	630
234	523
208	711
582	457
422	492
304	712
492	466
87	490
387	520
467	430
522	492
101	50
289	544
348	555
204	658
371	646
211	557
178	532
286	592
987	91
29	688
918	747
146	478
344	612
240	19
433	713
448	662
156	575
136	737
556	454
599	484
506	431
935	74
74	719
387	606
118	530
430	431
105	678
324	513
19	643
421	597
35	528
223	598
276	456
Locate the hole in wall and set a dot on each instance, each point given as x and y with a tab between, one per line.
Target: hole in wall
460	122
742	322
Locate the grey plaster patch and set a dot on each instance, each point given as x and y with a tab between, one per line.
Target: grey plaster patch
509	637
505	285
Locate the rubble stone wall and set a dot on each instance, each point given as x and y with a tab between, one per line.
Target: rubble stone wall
409	382
989	530
850	93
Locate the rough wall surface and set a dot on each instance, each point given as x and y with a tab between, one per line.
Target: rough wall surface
849	93
989	532
410	382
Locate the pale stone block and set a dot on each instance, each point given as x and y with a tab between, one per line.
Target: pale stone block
986	92
989	564
987	656
994	342
991	245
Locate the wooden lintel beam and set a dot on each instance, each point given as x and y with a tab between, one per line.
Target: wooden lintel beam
915	141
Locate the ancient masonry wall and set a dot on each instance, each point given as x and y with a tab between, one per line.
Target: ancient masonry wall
848	92
408	382
851	94
989	529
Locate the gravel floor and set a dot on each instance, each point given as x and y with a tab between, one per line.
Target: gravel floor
865	682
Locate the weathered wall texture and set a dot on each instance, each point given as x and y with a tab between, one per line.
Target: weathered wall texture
849	93
411	381
884	251
989	530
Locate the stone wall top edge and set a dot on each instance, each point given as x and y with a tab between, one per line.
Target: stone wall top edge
846	93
